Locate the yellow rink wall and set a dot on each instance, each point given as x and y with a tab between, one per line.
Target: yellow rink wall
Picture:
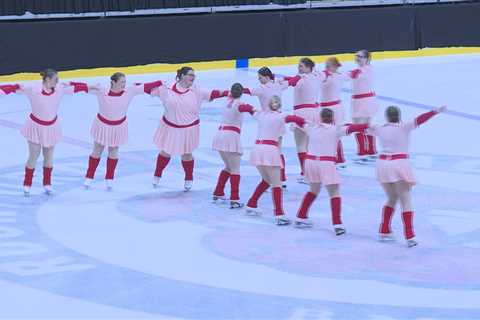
230	64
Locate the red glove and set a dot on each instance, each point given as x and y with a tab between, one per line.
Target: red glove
79	86
292	81
148	87
218	94
245	108
10	88
355	73
424	117
356	128
247	91
299	121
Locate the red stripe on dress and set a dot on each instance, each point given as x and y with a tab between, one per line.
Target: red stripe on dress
111	122
45	93
267	142
329	103
230	128
43	122
305	105
175	89
115	94
171	124
363	95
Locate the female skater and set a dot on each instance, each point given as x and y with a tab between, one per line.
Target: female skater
178	132
320	167
364	105
42	129
264	92
331	85
110	126
394	171
266	156
305	100
227	143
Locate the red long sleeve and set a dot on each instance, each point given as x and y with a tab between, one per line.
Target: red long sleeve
356	128
10	88
247	91
296	119
355	73
424	117
246	108
218	94
292	81
79	86
148	87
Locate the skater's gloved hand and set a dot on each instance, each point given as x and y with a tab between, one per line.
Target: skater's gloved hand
79	86
292	81
299	121
355	73
247	91
246	108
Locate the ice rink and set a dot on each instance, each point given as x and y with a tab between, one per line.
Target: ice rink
138	252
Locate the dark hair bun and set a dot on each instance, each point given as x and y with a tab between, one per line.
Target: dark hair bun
237	90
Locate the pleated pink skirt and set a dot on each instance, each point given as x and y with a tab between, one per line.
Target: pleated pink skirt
323	172
44	135
389	171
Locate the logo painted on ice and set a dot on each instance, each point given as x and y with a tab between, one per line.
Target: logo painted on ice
173	245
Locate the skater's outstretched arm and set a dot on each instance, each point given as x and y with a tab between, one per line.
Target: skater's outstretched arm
150	86
247	91
215	94
292	81
424	117
77	86
140	88
299	121
9	88
351	128
245	107
355	73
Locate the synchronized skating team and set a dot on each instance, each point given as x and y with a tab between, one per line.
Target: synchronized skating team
317	121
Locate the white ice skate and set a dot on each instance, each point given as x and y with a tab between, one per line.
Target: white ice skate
372	158
48	189
219	199
188	185
339	230
236	205
361	160
87	183
303	223
301	179
341	166
26	191
282	221
155	181
109	184
250	211
412	243
386	237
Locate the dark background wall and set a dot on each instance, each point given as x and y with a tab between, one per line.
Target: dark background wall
19	7
101	42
